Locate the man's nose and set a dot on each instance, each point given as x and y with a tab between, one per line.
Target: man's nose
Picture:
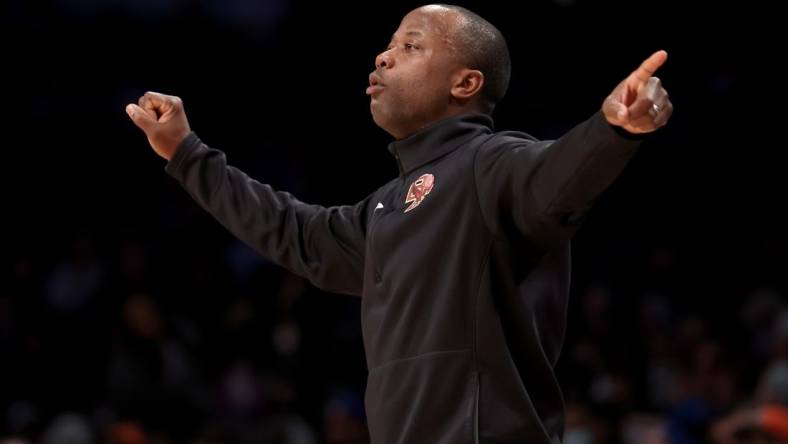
384	60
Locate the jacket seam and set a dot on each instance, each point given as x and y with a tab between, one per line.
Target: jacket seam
483	263
487	223
412	358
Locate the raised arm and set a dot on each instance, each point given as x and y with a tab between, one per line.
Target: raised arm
324	245
545	188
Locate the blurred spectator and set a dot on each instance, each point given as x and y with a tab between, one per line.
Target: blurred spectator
68	428
753	425
151	376
343	419
75	281
127	432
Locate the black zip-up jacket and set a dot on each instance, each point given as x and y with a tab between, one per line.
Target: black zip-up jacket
462	263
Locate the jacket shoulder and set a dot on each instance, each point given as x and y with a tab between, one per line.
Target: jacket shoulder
504	142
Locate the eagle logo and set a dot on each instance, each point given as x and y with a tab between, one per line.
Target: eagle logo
419	190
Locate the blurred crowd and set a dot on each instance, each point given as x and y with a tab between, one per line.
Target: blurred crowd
211	344
97	349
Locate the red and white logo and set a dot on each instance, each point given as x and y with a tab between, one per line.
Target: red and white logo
419	190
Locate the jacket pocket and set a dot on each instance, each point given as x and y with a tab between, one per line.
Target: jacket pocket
429	399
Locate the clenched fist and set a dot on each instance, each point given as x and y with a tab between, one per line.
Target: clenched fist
163	120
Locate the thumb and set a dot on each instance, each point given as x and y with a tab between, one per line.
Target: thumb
140	117
622	112
617	112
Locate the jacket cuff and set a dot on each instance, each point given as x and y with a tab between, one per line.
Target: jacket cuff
620	132
186	147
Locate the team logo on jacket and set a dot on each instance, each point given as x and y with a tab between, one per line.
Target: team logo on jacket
419	190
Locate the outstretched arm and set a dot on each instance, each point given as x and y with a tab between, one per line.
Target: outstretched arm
325	245
546	187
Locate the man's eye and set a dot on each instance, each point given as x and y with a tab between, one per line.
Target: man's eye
409	46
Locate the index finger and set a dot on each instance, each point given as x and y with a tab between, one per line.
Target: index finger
154	98
650	65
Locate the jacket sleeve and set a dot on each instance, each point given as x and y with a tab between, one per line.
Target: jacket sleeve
544	189
324	245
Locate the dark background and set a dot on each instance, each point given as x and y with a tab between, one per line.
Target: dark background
126	313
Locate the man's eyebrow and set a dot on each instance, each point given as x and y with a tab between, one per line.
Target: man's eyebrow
410	33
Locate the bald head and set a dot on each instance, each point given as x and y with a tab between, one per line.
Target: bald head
479	45
441	61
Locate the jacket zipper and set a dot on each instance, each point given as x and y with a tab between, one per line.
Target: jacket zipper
476	410
373	262
376	219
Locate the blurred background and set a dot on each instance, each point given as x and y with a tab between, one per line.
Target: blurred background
129	316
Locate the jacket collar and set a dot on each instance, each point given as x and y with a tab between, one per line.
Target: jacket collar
438	139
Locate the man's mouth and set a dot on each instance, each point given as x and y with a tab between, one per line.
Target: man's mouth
375	85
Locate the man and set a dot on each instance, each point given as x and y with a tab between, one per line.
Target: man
462	261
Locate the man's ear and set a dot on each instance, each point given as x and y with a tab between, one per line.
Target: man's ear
467	83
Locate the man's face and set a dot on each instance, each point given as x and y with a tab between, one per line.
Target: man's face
411	84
